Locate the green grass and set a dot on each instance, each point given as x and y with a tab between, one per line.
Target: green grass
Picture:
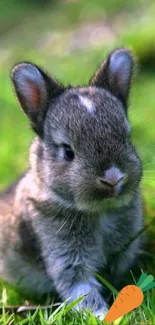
26	34
64	314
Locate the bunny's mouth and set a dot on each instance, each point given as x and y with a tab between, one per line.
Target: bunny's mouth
105	194
108	193
99	203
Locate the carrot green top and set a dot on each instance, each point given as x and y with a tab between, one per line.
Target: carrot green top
146	282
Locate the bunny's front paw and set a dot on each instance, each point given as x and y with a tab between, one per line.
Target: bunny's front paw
93	300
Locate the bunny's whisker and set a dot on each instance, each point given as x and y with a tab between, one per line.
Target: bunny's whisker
150	163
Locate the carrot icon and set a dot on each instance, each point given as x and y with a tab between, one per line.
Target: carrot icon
130	297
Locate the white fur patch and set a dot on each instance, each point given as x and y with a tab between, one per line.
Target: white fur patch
87	104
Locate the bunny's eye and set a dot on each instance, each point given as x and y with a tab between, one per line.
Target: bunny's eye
68	152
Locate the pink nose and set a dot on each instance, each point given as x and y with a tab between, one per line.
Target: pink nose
113	177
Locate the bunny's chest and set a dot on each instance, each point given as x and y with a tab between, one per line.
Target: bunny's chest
85	247
76	250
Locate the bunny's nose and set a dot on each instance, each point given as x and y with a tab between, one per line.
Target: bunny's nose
113	181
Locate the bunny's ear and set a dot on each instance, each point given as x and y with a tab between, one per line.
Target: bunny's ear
115	74
34	89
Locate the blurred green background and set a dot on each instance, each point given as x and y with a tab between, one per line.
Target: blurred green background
69	38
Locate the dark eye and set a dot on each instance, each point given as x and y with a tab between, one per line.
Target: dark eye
68	152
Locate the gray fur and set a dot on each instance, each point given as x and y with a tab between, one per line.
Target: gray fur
60	225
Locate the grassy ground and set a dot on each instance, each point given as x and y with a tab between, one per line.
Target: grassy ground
70	39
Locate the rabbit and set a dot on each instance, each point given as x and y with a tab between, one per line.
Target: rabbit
74	211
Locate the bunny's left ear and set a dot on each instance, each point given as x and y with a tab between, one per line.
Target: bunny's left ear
34	90
115	74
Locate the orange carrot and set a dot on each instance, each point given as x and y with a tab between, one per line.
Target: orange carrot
129	298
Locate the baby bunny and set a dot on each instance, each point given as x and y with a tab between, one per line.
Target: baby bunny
78	204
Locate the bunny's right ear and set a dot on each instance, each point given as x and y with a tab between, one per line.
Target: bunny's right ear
115	74
34	88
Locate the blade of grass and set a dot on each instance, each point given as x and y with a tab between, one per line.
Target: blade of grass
107	284
74	303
